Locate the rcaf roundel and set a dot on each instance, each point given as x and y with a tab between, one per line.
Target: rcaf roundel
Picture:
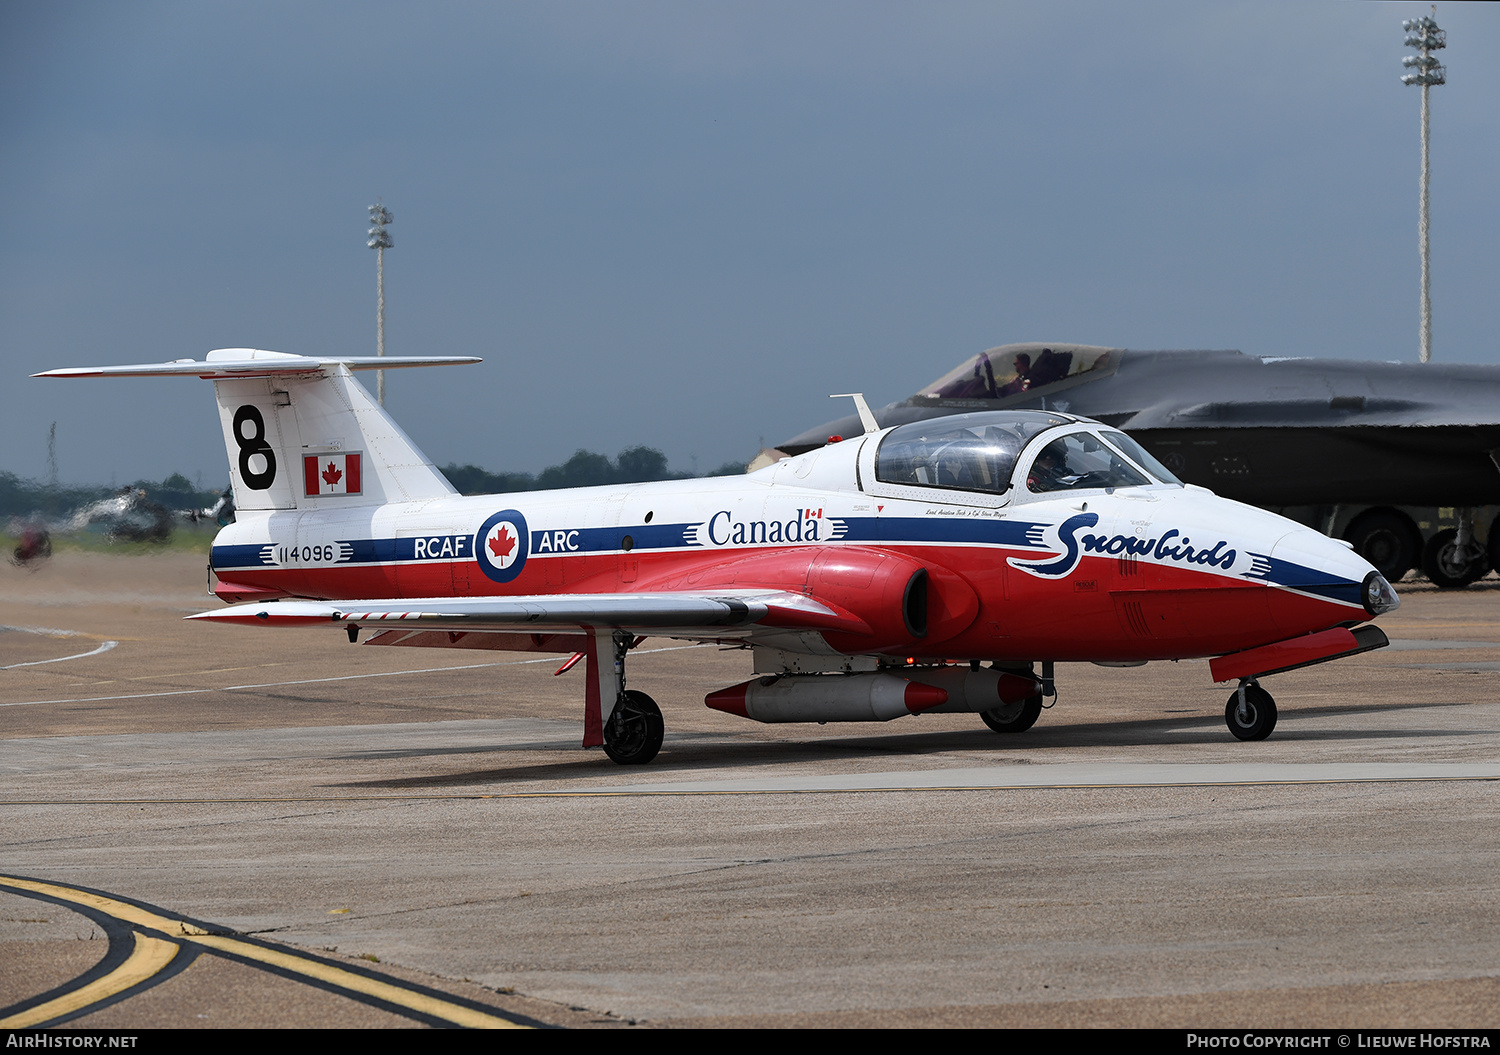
501	545
331	474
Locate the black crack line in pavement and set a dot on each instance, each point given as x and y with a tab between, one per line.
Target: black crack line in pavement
668	791
148	945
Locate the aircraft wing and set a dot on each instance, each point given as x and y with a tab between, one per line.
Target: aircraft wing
719	613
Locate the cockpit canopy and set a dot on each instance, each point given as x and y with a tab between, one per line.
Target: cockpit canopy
1017	372
981	452
970	452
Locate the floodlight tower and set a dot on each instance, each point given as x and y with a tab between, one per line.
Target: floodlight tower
1424	35
380	241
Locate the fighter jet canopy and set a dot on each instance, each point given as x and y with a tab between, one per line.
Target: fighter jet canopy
1017	370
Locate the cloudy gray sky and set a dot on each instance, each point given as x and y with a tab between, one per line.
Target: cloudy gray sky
684	224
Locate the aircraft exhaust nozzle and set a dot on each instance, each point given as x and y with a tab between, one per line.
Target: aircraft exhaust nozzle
827	698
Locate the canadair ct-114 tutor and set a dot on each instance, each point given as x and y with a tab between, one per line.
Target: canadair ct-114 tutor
938	566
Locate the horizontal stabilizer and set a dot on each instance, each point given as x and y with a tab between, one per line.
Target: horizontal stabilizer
254	362
301	432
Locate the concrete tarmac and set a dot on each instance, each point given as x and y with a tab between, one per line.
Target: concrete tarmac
424	820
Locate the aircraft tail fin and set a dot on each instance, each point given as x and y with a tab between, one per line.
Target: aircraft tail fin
300	432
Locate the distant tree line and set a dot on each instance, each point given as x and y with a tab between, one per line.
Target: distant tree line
585	469
22	497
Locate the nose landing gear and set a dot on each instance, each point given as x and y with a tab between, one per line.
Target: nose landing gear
1251	712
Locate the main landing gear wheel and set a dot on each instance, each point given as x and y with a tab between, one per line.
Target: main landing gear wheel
1014	717
1254	716
1448	565
633	734
1388	540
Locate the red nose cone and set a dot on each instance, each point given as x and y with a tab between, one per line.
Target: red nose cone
730	700
920	697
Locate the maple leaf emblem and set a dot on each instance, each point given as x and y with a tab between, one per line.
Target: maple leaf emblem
332	475
503	543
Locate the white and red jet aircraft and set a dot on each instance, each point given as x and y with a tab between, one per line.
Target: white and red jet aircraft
924	568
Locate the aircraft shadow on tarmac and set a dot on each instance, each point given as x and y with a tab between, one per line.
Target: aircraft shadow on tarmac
688	753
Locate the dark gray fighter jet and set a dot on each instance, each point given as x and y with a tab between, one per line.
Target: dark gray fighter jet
1274	432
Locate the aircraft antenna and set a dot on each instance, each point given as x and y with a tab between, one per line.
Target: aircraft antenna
1424	35
380	241
52	456
866	418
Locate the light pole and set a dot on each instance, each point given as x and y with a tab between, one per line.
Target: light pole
1424	35
380	241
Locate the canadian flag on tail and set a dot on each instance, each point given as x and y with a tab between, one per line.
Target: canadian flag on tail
331	474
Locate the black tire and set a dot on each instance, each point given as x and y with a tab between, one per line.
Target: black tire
1388	540
1446	567
634	734
1014	717
1258	718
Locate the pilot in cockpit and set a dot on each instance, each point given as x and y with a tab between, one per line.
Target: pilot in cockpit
1049	470
1022	381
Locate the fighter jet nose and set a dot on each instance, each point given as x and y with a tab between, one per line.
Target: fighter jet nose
1378	595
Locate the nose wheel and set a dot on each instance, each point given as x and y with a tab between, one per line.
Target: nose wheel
1250	712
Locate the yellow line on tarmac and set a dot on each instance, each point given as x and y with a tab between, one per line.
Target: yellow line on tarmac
148	957
283	960
337	976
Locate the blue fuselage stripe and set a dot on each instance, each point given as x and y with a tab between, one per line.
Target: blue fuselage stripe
1303	579
562	541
